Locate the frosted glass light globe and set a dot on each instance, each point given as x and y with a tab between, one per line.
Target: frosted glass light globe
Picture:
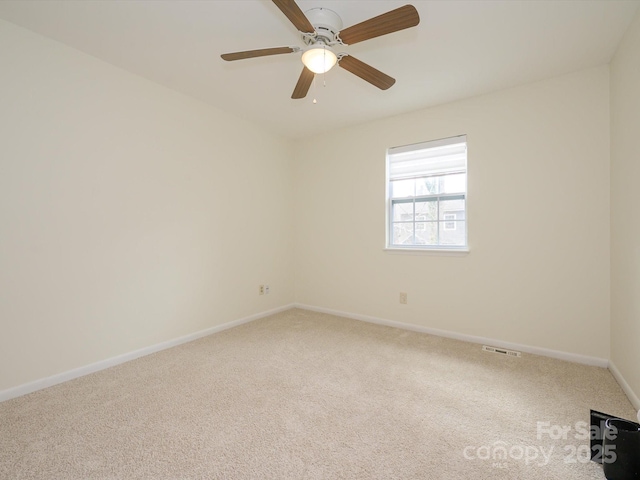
319	59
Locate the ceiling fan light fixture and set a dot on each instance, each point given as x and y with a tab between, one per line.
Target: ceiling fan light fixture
321	31
319	58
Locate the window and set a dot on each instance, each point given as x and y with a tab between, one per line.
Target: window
427	195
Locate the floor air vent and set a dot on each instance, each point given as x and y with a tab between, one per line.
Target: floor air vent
501	351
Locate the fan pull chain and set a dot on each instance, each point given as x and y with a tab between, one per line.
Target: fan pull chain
324	77
314	90
324	74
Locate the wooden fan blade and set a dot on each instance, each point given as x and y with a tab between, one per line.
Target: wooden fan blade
393	21
366	72
304	82
294	14
256	53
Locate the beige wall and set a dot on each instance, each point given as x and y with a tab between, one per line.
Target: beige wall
625	211
538	270
129	214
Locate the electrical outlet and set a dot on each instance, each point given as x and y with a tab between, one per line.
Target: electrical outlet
266	289
261	290
403	298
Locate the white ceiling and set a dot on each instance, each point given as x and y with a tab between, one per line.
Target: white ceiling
460	49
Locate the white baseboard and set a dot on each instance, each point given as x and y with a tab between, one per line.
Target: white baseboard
633	398
545	352
110	362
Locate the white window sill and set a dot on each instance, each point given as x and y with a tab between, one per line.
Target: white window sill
447	252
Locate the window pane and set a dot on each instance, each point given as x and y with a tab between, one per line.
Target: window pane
427	210
452	207
403	233
402	211
403	188
453	236
454	183
427	233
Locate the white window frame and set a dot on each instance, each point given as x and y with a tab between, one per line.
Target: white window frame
418	248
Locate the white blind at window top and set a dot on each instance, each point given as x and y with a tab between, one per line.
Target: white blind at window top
438	157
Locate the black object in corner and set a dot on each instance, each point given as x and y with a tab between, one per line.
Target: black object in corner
615	443
598	420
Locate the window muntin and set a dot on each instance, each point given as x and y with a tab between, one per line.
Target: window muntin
427	190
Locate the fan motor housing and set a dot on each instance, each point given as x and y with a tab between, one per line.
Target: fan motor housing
327	24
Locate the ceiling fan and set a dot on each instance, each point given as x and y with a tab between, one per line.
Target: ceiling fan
321	31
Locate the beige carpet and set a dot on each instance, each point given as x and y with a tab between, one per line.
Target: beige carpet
304	395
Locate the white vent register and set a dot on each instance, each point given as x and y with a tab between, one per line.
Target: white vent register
501	351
